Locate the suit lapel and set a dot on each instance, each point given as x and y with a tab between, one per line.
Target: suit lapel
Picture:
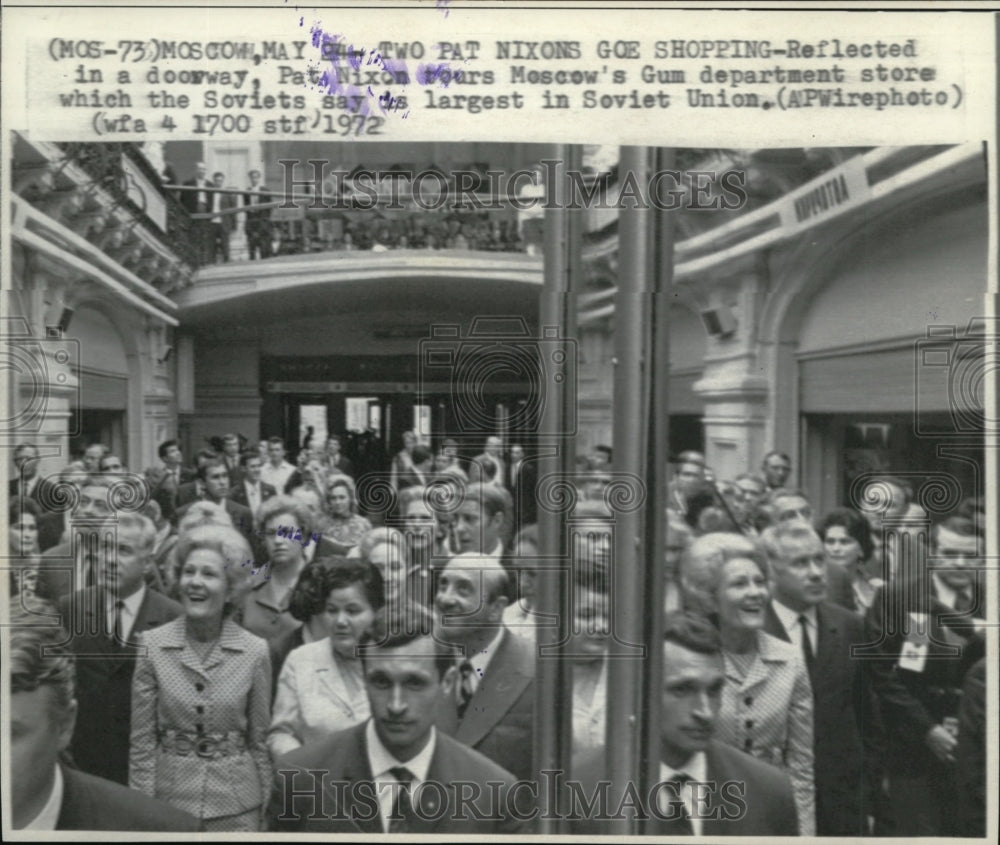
502	683
772	624
829	637
334	685
357	770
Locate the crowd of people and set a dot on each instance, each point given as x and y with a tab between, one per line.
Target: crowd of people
218	210
268	645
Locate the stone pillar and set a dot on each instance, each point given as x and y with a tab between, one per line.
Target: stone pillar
733	387
43	368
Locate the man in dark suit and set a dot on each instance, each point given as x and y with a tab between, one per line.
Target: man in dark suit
258	224
846	730
27	481
104	621
230	456
705	788
688	482
495	693
926	628
71	564
47	794
215	482
193	488
333	458
200	202
35	490
250	491
522	478
394	773
165	481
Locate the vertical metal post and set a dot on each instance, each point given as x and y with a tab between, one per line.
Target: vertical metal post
625	670
553	679
658	451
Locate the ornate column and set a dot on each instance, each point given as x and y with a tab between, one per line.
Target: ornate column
733	385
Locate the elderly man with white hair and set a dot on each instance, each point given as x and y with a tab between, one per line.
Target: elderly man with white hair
495	694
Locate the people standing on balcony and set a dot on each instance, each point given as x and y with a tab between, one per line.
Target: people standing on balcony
258	223
223	225
199	202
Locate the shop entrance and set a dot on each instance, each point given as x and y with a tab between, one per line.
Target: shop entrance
838	448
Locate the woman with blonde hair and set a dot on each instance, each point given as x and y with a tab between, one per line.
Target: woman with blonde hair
343	523
201	695
767	705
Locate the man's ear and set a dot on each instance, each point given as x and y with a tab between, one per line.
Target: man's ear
68	726
448	680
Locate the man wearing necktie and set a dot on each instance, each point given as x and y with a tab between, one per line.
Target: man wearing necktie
847	735
104	620
496	670
927	629
705	788
396	772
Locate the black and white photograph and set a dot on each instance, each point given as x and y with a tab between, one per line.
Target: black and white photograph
625	474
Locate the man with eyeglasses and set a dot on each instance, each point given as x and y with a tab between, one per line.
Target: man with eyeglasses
927	627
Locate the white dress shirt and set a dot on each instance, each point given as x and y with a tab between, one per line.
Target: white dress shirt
697	770
380	760
520	620
48	816
277	476
790	619
130	611
253	496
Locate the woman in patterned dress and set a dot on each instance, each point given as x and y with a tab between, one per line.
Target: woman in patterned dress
201	696
767	705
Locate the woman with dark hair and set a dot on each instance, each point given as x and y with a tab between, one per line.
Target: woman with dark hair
201	696
22	540
321	687
767	702
848	541
343	523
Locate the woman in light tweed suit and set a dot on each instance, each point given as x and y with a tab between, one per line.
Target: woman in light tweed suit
201	695
767	705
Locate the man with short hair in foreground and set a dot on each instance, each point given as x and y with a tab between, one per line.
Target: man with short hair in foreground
47	794
706	788
395	772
